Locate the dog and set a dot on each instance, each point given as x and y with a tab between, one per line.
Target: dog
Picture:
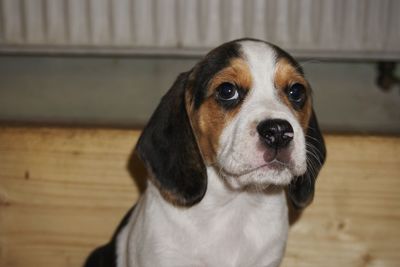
232	144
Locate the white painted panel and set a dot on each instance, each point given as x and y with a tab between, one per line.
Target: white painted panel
166	23
210	22
100	18
143	21
56	21
12	18
270	19
121	24
392	38
78	23
34	21
1	24
283	34
330	25
2	39
375	23
353	30
258	20
188	24
234	20
310	28
305	32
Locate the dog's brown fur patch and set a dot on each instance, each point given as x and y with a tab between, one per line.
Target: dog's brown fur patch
238	72
211	118
285	75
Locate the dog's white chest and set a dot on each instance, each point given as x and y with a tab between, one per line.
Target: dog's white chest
248	230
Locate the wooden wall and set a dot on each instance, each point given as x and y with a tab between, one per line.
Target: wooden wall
63	191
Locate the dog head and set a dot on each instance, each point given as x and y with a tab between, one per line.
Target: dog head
246	110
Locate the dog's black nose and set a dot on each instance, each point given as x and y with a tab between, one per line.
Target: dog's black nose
275	133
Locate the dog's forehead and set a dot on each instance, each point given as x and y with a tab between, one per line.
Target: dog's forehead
258	55
261	58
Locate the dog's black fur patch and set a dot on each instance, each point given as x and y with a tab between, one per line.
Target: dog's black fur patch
168	147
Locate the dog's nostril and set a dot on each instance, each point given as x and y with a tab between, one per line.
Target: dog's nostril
275	133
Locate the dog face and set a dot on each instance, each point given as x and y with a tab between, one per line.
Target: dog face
246	110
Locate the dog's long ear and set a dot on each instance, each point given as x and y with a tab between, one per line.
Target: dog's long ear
169	149
301	190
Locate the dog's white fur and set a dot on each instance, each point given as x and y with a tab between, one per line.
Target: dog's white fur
230	226
225	229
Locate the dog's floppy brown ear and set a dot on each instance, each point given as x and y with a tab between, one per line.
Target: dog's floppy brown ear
169	149
301	190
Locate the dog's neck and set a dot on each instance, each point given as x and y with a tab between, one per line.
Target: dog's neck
220	195
220	198
227	228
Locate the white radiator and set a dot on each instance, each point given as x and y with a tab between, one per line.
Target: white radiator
363	29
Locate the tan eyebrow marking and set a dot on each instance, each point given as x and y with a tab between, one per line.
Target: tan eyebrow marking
210	119
285	75
237	72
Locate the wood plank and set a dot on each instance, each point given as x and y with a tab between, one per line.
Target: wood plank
63	191
355	217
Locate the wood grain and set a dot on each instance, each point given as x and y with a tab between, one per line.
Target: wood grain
63	191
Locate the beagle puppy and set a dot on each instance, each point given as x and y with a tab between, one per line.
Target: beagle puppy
231	145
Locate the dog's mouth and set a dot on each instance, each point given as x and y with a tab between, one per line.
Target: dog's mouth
273	155
274	164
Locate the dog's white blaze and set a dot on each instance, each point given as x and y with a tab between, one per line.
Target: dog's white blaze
238	153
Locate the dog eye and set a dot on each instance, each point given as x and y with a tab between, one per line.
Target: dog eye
297	94
227	92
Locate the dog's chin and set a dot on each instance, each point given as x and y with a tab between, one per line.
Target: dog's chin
260	178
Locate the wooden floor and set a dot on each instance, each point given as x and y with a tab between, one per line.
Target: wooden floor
63	191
